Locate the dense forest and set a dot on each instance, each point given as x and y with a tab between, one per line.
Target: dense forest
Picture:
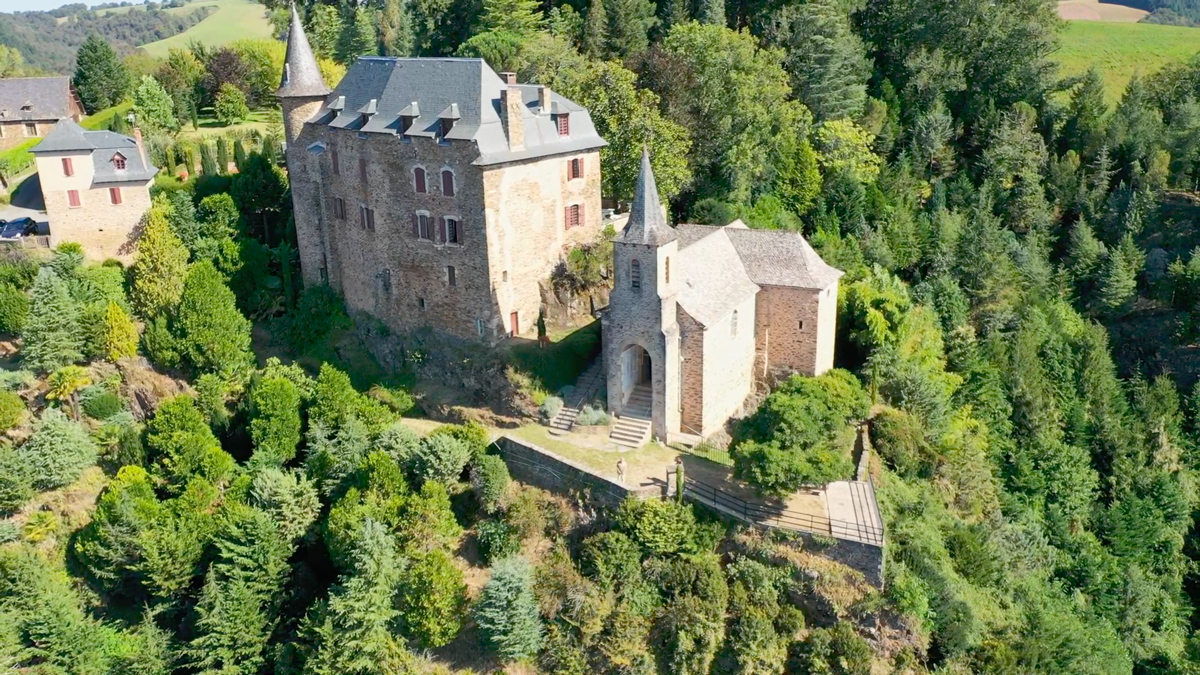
48	40
1018	323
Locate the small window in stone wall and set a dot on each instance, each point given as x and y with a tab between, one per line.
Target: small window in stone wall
333	159
448	182
801	325
733	324
479	326
419	179
450	278
635	275
420	303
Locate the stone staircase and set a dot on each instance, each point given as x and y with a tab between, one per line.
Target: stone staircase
587	387
632	429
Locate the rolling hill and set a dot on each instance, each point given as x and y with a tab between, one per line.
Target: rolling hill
233	20
1119	50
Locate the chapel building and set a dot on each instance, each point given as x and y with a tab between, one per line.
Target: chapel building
432	192
699	314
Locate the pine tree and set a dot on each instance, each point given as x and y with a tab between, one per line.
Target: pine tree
395	29
160	266
1117	284
507	611
1084	130
518	17
325	27
354	636
675	13
358	36
825	58
101	79
712	11
222	155
211	333
596	30
119	339
53	336
629	24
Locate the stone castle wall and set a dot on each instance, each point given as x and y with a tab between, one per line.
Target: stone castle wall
534	465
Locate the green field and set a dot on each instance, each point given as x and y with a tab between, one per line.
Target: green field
1119	50
234	20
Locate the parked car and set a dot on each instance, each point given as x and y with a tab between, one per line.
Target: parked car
17	228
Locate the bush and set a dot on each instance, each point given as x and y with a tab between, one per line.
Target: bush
14	308
12	410
399	442
100	403
275	420
899	438
660	526
395	398
319	312
612	559
592	417
431	597
473	434
507	611
440	458
15	487
9	531
497	540
230	106
490	479
777	472
550	408
58	451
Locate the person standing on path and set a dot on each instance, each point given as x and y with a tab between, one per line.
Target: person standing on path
621	470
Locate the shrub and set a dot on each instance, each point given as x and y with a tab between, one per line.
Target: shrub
899	437
395	398
9	531
12	410
440	458
507	611
230	106
550	408
592	416
497	540
777	472
41	526
14	308
99	402
399	442
119	335
660	526
319	312
490	479
431	597
58	451
612	559
160	344
18	269
275	420
473	434
15	487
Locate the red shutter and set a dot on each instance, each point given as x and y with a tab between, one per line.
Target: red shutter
73	198
566	217
114	194
416	227
68	170
581	163
447	183
442	229
420	179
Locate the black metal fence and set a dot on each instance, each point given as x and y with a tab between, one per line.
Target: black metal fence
710	495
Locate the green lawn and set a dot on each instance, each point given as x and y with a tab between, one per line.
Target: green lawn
233	20
259	119
1119	50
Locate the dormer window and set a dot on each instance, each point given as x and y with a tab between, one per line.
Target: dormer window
446	120
27	107
447	125
118	162
563	122
408	116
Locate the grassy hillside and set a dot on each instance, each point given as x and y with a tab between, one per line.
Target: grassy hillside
1118	49
234	20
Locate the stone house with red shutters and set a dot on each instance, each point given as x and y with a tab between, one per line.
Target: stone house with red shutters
432	192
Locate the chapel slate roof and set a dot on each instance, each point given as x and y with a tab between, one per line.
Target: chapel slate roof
301	74
467	87
713	280
647	222
770	257
68	137
48	98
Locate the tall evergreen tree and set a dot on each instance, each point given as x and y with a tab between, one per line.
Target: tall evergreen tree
160	266
359	36
153	108
826	59
1084	131
507	611
211	333
101	79
53	336
1118	282
712	11
207	163
325	27
395	29
595	31
222	155
629	24
518	17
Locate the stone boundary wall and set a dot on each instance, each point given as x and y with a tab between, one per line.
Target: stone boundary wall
537	466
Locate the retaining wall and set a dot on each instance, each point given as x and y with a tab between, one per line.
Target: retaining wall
534	465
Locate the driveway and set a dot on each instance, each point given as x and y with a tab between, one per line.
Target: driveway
27	203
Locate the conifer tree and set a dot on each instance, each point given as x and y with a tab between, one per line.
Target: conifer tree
712	11
519	17
275	420
359	37
825	58
507	611
1118	282
53	336
222	155
101	79
325	27
1084	130
395	29
239	154
153	108
595	31
211	333
160	266
208	165
119	339
354	635
629	24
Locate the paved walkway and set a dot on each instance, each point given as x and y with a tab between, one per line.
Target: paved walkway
853	511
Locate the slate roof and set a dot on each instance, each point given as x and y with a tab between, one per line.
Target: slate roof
301	74
714	281
48	98
770	257
69	137
437	86
647	223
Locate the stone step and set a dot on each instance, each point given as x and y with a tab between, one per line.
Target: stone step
630	432
565	419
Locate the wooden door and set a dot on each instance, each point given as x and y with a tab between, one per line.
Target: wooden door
516	324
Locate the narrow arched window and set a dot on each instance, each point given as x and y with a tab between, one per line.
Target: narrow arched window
667	270
419	179
448	182
733	324
635	275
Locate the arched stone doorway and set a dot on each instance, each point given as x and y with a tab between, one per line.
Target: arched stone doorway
636	370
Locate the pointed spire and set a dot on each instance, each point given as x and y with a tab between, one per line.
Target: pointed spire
647	223
301	75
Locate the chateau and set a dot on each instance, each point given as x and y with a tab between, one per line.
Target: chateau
31	106
96	186
699	314
434	192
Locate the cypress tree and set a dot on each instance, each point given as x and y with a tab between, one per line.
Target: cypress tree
53	336
211	333
208	165
160	267
195	113
222	155
239	154
595	31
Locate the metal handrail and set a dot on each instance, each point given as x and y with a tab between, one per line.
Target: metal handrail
804	522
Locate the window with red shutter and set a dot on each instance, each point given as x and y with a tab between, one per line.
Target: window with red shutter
442	230
73	198
114	195
337	165
452	231
68	169
573	216
419	179
118	162
448	183
362	169
564	124
576	168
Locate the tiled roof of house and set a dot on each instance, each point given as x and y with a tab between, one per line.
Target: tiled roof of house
713	281
35	98
301	74
68	137
466	87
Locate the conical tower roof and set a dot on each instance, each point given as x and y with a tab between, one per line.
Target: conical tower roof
301	75
647	224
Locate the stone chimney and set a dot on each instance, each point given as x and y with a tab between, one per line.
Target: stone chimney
543	100
512	109
137	138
